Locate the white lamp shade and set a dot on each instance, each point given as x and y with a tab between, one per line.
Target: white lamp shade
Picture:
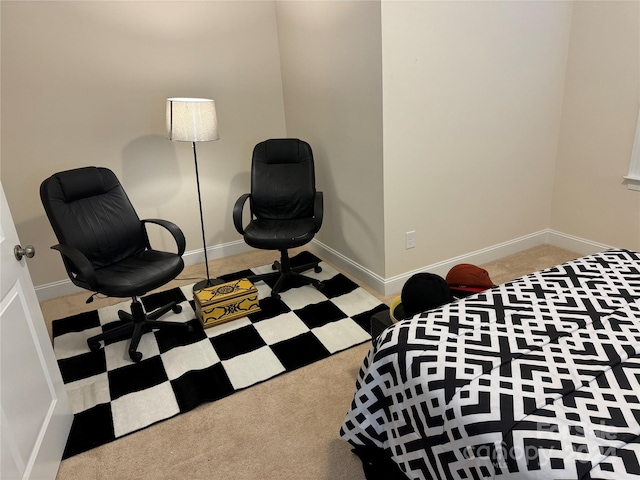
191	120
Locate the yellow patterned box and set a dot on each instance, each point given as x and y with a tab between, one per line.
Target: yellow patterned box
225	302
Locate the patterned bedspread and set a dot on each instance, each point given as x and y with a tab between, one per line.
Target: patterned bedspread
538	378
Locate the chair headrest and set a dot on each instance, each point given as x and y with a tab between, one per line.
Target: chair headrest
282	150
81	183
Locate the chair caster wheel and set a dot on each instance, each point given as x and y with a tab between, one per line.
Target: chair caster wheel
317	269
177	308
135	356
94	346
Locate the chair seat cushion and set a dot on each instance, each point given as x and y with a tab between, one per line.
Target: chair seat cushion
139	273
279	234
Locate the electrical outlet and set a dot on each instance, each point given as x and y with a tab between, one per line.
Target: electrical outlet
410	239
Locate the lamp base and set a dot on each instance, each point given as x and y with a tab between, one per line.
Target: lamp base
206	283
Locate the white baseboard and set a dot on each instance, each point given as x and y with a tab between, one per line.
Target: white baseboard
393	285
56	289
347	265
386	286
213	253
575	244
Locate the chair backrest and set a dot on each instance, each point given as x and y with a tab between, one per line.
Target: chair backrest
283	183
88	209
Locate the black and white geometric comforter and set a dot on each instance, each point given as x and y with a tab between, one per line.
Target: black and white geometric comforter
538	378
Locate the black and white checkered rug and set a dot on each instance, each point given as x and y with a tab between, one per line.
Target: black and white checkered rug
111	396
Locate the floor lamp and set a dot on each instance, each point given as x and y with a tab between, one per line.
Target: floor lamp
194	120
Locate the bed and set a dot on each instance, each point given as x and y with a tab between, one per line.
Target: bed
538	378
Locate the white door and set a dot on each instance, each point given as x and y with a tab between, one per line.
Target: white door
35	415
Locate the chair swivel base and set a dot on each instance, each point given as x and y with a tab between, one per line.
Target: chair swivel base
138	323
285	273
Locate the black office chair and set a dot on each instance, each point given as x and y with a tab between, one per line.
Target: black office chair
105	248
286	210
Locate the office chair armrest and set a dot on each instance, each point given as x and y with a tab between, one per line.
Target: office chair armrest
238	208
81	266
175	231
318	210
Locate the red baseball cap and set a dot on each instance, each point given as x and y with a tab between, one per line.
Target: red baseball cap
469	278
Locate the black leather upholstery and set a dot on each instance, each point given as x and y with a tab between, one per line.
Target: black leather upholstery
286	210
105	247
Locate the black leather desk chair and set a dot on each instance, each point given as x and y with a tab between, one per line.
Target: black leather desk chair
105	248
286	210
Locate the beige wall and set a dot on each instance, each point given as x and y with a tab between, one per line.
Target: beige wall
85	83
332	78
472	107
600	110
452	118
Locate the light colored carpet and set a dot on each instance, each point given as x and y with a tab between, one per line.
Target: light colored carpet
285	428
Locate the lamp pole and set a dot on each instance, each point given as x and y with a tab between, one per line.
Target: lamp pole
208	282
194	120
